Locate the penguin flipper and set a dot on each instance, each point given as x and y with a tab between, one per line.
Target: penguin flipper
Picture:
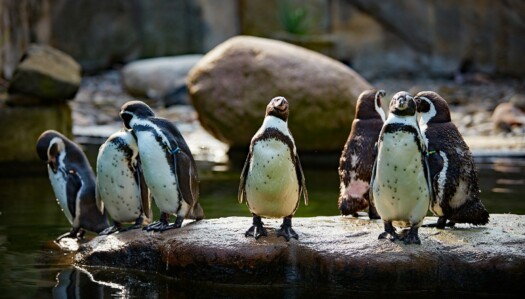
72	189
145	196
301	180
373	178
185	177
428	178
244	175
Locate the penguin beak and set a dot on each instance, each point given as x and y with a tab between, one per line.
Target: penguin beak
52	162
402	102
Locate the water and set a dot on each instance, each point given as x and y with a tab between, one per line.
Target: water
31	267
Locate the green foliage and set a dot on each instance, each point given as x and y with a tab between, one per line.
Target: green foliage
294	18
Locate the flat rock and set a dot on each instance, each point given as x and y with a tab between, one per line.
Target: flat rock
334	251
47	74
231	86
163	77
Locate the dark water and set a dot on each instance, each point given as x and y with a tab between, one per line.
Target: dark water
30	267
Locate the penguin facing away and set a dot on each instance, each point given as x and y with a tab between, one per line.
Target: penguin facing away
400	181
452	170
120	182
359	155
168	166
272	179
73	182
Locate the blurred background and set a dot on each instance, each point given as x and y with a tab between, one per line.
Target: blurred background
69	65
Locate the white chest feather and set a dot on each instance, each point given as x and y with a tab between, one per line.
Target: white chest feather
159	177
117	186
59	184
400	188
272	188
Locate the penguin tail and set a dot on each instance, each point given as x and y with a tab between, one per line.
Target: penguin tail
473	212
197	212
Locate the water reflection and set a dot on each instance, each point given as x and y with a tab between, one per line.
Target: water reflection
31	266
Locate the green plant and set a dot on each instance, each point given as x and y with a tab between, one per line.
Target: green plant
294	18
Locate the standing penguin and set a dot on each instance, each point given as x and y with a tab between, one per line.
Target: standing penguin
359	154
454	177
272	178
73	182
120	182
167	163
400	179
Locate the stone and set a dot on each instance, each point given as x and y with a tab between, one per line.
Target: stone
519	101
22	125
231	86
506	116
47	74
160	78
333	252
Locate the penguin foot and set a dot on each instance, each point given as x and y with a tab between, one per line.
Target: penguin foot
441	223
286	229
138	224
110	230
372	213
176	224
156	226
75	233
389	233
412	236
257	229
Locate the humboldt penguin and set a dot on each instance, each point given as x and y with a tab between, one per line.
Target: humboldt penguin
272	179
120	182
400	180
358	155
73	182
168	166
454	176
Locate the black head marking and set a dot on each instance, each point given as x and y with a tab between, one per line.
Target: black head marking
432	103
278	107
133	109
368	103
403	104
49	145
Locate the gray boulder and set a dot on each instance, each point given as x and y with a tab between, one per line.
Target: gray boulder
47	74
163	78
231	86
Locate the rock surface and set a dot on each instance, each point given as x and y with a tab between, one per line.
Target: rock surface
231	86
160	78
332	251
47	74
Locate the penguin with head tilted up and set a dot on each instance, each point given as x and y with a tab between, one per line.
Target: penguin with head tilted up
454	177
73	182
400	179
168	166
272	179
120	182
358	155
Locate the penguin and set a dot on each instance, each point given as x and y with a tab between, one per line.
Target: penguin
120	182
400	180
73	182
358	155
168	166
453	174
272	179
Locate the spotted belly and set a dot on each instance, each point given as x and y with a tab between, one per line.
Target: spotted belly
400	188
272	188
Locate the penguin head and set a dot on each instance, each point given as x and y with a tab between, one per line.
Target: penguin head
433	107
134	109
278	107
369	105
49	146
403	104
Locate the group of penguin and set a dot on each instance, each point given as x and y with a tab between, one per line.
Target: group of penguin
397	167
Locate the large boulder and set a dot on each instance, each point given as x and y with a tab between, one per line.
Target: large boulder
46	73
336	253
231	86
163	77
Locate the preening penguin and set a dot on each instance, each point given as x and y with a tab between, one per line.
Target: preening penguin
120	182
359	155
73	182
167	164
400	179
454	177
272	179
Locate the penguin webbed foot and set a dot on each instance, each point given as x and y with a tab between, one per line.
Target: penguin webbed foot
164	225
412	236
75	233
138	224
389	233
257	229
286	230
110	230
441	223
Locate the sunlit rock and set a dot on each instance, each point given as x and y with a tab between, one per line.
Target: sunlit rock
231	86
331	251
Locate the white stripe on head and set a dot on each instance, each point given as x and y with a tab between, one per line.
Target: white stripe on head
427	116
378	108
